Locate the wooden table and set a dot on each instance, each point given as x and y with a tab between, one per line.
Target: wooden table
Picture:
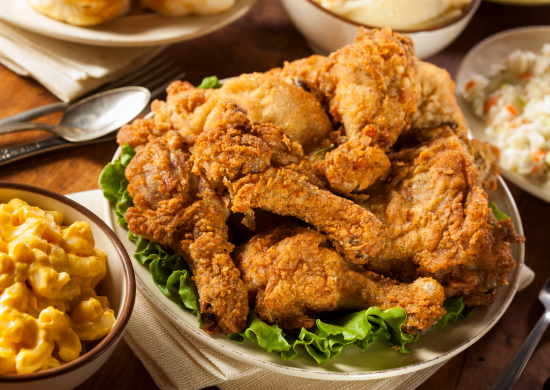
259	41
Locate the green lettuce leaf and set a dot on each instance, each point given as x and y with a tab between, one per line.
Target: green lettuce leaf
210	82
324	342
499	215
114	184
455	308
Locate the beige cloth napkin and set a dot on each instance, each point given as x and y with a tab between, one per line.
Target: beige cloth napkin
177	361
67	69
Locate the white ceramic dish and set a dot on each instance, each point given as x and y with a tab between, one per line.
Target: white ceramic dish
326	31
479	59
118	285
379	361
134	30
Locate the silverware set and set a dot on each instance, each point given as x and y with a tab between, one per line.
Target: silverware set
92	119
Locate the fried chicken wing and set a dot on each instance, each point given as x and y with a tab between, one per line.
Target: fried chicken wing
268	99
262	168
174	209
439	221
293	275
181	101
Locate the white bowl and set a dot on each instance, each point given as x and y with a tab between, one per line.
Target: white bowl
326	31
118	285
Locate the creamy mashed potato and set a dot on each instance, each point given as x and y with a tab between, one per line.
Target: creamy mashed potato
397	14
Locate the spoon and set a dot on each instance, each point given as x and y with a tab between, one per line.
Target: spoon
511	373
94	116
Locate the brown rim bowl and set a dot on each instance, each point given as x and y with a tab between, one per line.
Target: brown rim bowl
119	267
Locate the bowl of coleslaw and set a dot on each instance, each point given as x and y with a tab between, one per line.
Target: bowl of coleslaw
503	85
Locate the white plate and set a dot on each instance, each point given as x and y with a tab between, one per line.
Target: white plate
379	361
479	60
135	30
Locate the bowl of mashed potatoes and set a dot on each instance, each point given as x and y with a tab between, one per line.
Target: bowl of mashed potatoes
331	24
67	290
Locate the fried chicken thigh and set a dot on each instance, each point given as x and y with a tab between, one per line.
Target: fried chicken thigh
174	209
262	168
292	275
439	222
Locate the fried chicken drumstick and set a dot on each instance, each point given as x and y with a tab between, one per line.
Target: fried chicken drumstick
174	209
439	222
262	168
292	275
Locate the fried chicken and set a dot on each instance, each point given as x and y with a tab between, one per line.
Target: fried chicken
436	107
267	99
370	89
182	100
437	104
176	210
293	275
372	82
262	168
439	221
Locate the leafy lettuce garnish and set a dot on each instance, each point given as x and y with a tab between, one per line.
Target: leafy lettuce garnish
210	82
323	342
499	215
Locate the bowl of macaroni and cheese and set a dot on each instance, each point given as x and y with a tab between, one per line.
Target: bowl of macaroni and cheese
67	290
432	25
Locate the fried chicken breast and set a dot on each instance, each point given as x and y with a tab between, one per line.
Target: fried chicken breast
174	209
262	168
292	275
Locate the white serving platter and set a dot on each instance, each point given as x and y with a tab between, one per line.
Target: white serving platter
378	361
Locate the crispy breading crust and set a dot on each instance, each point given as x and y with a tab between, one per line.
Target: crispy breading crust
263	169
439	221
174	210
292	277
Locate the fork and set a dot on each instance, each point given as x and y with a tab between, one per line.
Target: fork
511	373
155	76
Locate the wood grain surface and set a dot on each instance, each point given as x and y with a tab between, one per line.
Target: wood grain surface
263	39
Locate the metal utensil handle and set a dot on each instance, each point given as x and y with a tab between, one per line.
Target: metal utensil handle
511	373
9	155
35	113
23	126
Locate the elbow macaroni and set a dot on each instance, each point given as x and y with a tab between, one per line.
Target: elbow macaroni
47	278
